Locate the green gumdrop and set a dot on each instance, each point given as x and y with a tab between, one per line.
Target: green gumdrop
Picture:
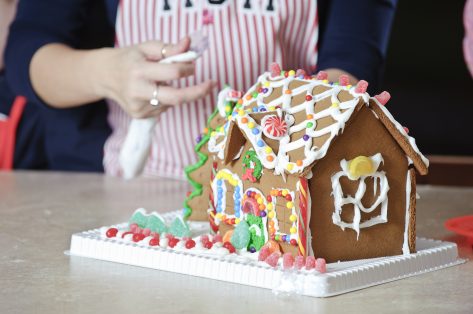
257	239
139	217
180	228
156	223
241	236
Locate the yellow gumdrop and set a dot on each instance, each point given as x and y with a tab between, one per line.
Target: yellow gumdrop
289	205
271	214
270	206
285	192
292	218
361	166
260	201
293	230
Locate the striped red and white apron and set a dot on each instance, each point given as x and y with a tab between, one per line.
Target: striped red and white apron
245	36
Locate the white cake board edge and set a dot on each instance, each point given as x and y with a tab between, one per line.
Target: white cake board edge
340	277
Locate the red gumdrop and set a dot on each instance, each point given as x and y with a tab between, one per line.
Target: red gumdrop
406	129
229	247
208	245
344	80
275	69
172	242
272	260
321	266
217	238
383	98
300	72
287	261
133	227
322	75
137	237
111	233
154	242
146	232
264	253
361	87
288	197
299	262
190	244
310	262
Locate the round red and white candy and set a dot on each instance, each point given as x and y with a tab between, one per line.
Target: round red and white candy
274	127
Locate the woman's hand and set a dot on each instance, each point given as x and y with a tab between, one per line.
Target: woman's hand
64	77
133	73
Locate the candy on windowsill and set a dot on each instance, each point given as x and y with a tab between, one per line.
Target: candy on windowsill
344	80
300	72
264	253
322	75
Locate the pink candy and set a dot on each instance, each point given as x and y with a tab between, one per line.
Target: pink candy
204	238
361	87
321	265
264	253
322	75
406	129
146	232
275	69
287	261
299	262
310	262
134	227
300	72
217	238
343	80
272	260
383	98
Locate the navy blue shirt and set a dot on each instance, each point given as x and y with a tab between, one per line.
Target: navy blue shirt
353	37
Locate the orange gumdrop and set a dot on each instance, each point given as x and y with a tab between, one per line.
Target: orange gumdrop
273	246
227	236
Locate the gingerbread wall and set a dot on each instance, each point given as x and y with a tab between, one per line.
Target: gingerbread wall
364	135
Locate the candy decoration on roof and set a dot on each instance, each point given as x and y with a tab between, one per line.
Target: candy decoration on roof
344	80
300	72
361	87
406	129
383	98
274	127
322	75
275	69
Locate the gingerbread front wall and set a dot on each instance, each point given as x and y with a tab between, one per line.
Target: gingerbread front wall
365	135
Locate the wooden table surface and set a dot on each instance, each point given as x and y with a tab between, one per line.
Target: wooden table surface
39	211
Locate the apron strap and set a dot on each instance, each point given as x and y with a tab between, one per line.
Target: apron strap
8	133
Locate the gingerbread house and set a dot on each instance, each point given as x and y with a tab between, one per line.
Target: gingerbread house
319	168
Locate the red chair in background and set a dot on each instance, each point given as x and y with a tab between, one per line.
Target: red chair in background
8	128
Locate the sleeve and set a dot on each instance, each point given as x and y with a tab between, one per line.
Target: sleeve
354	37
36	24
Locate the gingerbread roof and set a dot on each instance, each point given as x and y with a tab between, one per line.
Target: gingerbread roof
292	120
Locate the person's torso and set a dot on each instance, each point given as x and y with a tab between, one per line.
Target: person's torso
245	36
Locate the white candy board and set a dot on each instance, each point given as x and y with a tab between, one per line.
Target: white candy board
340	277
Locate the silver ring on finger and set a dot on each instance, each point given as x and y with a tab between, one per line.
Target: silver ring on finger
163	52
154	99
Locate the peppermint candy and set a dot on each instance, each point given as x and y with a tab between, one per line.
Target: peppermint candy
274	127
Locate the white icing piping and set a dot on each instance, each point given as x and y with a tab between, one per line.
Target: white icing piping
405	245
356	201
401	130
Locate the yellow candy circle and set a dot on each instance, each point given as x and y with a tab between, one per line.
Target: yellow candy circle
268	149
292	73
251	125
289	205
289	167
260	201
285	192
293	230
292	218
361	166
241	112
271	214
270	206
237	221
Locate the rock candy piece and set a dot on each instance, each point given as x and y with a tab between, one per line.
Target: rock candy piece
139	217
264	253
275	69
241	236
156	223
322	75
299	262
217	238
383	98
180	228
272	260
321	265
287	261
361	87
310	262
344	80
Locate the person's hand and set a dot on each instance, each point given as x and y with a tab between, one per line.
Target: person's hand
132	74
